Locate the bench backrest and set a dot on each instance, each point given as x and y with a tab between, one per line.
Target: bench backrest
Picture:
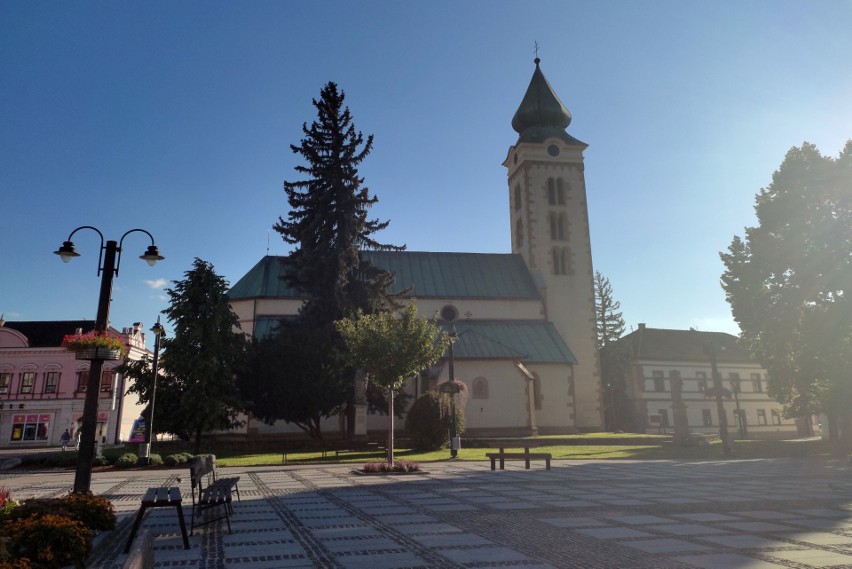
200	466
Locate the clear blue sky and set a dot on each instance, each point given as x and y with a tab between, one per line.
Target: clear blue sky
177	117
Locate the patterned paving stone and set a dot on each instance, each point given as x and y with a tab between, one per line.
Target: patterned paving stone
613	533
746	541
728	561
665	545
813	557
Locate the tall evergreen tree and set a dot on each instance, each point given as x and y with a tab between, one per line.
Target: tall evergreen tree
203	355
788	283
614	357
610	323
328	218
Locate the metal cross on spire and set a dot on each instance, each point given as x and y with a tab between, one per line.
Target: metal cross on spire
535	49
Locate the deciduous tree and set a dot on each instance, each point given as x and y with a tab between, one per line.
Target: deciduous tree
788	283
391	348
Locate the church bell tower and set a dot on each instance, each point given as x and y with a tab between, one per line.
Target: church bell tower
550	230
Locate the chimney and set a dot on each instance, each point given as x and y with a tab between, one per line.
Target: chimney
641	326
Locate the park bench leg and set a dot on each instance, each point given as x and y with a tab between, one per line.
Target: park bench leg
493	461
527	458
182	523
547	462
136	524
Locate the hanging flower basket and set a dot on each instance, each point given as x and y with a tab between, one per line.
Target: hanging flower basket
95	346
97	354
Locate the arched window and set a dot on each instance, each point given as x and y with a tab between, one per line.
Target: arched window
560	191
480	388
561	225
519	232
551	191
517	197
552	225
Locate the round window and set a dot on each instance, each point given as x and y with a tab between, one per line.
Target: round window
449	313
553	150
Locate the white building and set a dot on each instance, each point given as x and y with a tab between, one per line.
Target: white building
659	356
526	319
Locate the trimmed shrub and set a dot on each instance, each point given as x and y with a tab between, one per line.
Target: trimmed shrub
398	466
429	420
127	460
95	512
50	540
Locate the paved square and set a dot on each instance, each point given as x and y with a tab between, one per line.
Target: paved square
756	514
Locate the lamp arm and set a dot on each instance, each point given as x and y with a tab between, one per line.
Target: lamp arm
121	241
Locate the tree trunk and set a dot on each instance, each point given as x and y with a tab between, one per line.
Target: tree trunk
198	442
390	430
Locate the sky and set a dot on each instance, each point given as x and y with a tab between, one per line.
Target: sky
177	118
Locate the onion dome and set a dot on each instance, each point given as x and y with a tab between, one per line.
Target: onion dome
541	114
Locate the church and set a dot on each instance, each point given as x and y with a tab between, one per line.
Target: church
525	320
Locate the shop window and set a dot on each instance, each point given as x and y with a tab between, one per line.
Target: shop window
706	417
761	416
30	427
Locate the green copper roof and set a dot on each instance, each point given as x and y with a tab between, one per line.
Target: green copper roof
528	341
541	114
426	274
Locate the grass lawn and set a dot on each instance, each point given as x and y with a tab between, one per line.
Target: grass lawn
662	451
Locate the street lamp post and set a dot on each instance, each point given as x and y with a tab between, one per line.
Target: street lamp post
108	265
451	389
159	332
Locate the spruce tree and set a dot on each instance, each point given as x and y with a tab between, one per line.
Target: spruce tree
328	218
610	323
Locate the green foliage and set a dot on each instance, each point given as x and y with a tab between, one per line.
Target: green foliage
51	532
198	391
392	347
177	459
397	466
299	375
127	460
430	419
328	221
64	459
788	282
610	323
95	512
50	541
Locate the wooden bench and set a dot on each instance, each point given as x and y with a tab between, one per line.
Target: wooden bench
212	492
159	498
342	447
526	456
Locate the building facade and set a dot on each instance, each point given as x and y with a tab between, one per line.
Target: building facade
664	362
43	386
525	319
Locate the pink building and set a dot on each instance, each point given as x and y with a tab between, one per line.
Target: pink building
43	386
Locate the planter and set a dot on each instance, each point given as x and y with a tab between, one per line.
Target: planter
97	353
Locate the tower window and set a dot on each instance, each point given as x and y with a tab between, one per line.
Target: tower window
517	197
560	226
551	191
560	191
553	150
560	261
551	222
519	232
